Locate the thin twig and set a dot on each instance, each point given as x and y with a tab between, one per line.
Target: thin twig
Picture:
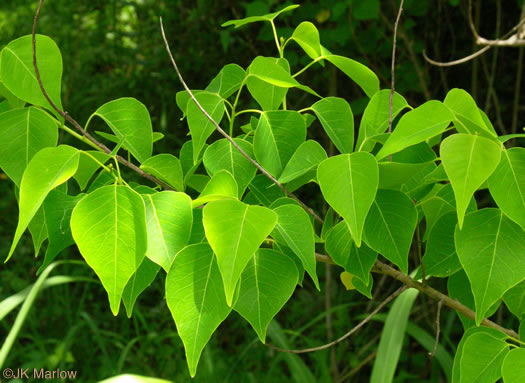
475	54
438	329
393	67
380	267
227	136
349	333
77	126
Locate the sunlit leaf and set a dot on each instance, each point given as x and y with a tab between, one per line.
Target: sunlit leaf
167	168
306	158
337	120
142	278
109	228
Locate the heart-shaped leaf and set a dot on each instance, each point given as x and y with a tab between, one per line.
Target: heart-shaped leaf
337	119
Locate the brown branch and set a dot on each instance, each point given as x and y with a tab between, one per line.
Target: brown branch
77	126
383	268
226	135
393	68
349	333
438	329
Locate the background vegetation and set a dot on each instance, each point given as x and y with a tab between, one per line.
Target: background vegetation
113	49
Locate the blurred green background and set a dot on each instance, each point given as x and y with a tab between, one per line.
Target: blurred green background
113	48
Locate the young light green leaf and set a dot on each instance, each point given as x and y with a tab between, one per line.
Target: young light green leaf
268	17
349	184
440	258
143	277
23	132
337	119
307	36
294	225
418	125
457	375
356	261
228	81
307	156
38	229
129	119
221	186
507	184
277	137
58	207
200	127
18	74
267	95
392	337
490	247
195	297
376	115
11	100
482	357
87	166
359	73
47	169
235	231
221	155
515	300
267	70
468	161
109	228
468	118
167	168
513	368
267	283
390	226
168	220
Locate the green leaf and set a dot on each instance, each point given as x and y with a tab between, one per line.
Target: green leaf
221	186
468	118
356	261
490	247
129	119
18	74
12	101
440	258
58	207
294	225
143	277
359	73
23	132
109	228
228	81
507	184
390	226
47	169
277	137
4	106
38	229
337	119
307	36
268	96
376	115
195	297
267	70
307	156
222	155
268	17
264	291
200	127
167	168
87	166
235	231
513	368
349	184
468	161
515	300
482	357
418	125
168	220
264	190
457	374
392	337
392	175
